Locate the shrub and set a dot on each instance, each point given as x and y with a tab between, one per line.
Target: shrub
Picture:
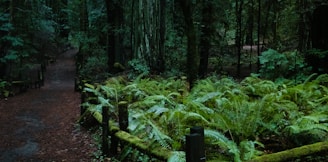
276	65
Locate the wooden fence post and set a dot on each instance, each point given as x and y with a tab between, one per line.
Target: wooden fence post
195	150
105	130
123	123
123	118
76	84
113	144
123	115
83	99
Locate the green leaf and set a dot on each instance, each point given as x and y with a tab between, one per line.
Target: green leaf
12	55
177	156
15	41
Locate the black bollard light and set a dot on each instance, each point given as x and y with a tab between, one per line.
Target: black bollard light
195	149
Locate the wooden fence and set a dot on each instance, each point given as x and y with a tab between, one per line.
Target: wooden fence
194	148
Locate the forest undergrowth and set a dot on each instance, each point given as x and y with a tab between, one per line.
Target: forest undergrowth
242	119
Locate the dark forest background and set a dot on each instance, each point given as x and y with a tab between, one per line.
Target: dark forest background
171	38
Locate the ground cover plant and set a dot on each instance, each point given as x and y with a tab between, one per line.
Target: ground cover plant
242	120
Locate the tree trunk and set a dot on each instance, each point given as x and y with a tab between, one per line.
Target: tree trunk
249	31
250	24
110	37
266	22
192	51
162	29
205	42
275	6
63	20
4	45
303	25
84	22
114	36
239	9
148	33
258	35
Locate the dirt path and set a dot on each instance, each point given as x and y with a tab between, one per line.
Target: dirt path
40	125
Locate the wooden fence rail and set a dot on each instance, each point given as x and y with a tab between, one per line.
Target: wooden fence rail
119	135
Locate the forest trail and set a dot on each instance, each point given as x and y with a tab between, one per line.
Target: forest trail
40	125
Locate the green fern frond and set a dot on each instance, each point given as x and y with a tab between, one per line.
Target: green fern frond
177	156
322	79
257	87
137	121
199	107
87	85
103	101
93	90
157	110
208	96
173	95
316	117
95	108
248	149
308	123
109	92
150	101
194	117
203	86
133	92
227	145
309	78
156	134
140	77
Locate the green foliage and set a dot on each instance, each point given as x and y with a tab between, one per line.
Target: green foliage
139	67
175	55
27	30
92	57
177	156
317	53
275	65
5	25
95	68
4	91
236	116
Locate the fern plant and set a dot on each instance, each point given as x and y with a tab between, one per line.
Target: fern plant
236	116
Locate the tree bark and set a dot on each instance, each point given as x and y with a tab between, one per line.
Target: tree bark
114	36
148	33
249	33
162	29
258	35
84	22
205	42
192	51
63	20
239	9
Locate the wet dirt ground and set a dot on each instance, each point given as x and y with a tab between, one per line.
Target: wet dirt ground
40	124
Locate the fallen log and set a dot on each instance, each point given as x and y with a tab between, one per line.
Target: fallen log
293	153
